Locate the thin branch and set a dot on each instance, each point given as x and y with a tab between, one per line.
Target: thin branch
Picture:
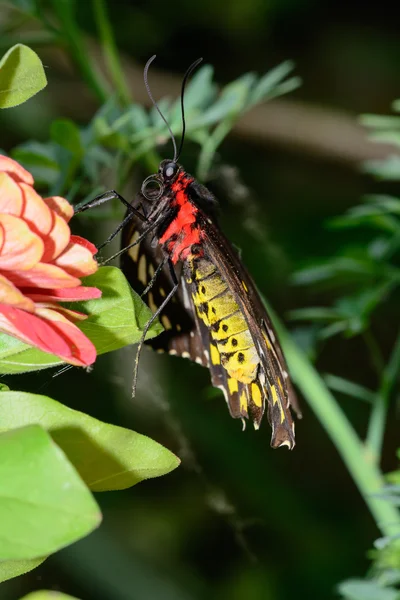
377	421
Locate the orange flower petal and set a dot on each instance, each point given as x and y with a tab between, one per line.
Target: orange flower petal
43	275
53	334
77	259
64	295
8	165
11	295
61	206
70	315
11	200
21	248
57	239
36	212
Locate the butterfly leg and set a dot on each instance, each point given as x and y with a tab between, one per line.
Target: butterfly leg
151	321
106	197
135	243
116	231
153	279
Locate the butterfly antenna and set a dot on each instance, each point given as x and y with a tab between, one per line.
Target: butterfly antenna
185	78
146	83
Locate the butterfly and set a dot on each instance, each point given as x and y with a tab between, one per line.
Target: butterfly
174	253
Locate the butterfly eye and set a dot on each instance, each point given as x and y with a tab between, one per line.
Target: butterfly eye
170	170
152	188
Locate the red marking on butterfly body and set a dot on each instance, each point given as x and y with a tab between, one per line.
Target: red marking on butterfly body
183	229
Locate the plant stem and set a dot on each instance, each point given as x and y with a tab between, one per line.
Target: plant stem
210	146
33	38
377	419
375	353
110	50
74	39
363	470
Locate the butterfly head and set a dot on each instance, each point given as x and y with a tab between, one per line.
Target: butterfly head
154	186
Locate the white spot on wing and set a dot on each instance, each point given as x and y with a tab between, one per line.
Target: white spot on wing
221	387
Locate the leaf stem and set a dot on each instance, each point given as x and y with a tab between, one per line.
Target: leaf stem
79	52
110	50
363	470
377	419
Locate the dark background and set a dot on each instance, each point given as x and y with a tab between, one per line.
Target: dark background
237	520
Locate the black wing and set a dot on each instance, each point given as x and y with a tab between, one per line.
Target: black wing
181	336
275	374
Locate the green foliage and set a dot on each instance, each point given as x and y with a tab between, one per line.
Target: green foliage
43	507
115	320
21	76
48	595
364	275
13	568
119	136
45	502
387	130
359	589
109	457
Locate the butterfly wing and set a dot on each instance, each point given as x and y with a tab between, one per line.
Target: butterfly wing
140	263
272	380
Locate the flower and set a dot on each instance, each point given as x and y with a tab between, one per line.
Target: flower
40	265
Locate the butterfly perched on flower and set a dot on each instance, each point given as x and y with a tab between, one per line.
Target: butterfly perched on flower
174	252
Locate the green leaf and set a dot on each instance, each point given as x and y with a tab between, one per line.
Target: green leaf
387	169
21	76
201	89
317	313
115	320
44	504
359	589
343	267
268	85
107	457
39	159
380	122
350	388
65	133
48	595
13	568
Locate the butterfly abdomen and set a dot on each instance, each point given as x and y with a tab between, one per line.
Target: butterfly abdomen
216	306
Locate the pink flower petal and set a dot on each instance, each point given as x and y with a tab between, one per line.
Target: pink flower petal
77	239
77	259
83	351
36	212
8	165
61	206
11	201
63	295
53	334
12	296
43	275
57	239
21	248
